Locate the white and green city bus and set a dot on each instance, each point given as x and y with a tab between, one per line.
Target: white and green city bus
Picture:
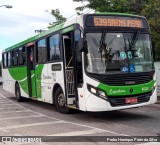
95	62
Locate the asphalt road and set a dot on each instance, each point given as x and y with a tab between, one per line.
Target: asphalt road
41	119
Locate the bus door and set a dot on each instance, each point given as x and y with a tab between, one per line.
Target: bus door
31	69
69	72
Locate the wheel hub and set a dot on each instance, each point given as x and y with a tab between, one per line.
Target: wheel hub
61	100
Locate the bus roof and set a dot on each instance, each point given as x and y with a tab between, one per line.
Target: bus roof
59	27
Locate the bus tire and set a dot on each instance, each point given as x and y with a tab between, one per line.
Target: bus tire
59	101
18	94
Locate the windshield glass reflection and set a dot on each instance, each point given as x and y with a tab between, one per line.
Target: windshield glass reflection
118	53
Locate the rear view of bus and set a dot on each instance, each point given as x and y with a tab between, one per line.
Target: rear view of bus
118	62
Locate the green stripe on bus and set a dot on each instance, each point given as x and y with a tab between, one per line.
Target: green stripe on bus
67	29
24	86
20	74
126	90
39	70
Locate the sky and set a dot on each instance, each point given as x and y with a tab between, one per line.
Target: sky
26	16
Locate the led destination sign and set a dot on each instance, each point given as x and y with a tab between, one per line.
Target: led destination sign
116	21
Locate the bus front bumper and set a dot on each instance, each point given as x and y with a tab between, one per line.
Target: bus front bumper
96	104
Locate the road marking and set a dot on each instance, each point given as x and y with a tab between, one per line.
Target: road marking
11	118
8	104
2	97
5	103
3	100
77	133
14	111
10	108
107	131
31	125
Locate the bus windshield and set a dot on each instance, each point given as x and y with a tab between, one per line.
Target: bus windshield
112	53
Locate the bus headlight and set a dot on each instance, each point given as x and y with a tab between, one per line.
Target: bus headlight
96	91
93	90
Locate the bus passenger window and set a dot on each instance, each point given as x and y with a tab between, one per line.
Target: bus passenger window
42	51
12	57
9	59
15	58
54	49
4	60
22	58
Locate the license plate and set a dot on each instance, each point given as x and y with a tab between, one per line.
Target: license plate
131	100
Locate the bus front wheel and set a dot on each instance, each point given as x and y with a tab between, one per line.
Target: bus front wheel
18	94
59	102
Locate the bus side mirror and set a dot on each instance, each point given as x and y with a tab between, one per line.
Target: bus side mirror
82	45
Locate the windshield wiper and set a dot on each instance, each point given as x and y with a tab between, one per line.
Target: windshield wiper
132	44
134	40
112	41
102	44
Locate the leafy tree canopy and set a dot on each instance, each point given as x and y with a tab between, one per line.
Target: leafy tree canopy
132	6
59	18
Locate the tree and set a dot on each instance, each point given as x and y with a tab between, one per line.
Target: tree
59	18
132	6
148	8
152	13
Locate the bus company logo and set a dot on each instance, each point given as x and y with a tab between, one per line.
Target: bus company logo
131	90
145	88
46	77
116	91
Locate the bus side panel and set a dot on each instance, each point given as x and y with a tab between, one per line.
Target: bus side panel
43	84
10	79
5	74
33	84
17	75
23	81
54	77
38	74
